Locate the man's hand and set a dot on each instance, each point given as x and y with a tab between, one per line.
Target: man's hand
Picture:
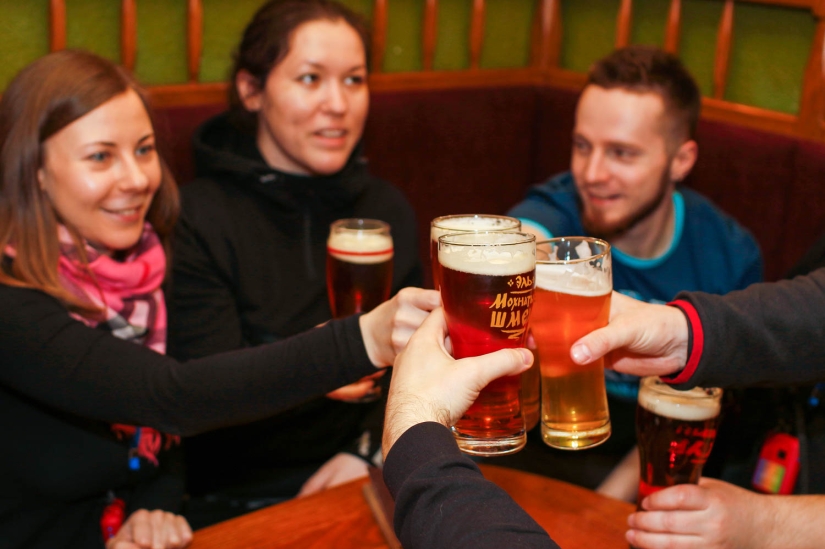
643	339
339	469
430	385
387	328
712	515
152	530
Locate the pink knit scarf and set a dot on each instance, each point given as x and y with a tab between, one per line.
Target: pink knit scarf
132	307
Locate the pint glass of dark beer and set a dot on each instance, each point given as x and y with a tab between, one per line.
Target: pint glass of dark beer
573	286
487	282
675	431
359	265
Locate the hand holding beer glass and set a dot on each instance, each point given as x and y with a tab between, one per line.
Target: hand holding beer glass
675	431
487	282
473	223
359	272
573	287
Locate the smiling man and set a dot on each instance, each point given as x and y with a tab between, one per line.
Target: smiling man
633	143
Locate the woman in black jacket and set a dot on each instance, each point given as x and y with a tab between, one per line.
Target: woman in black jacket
250	249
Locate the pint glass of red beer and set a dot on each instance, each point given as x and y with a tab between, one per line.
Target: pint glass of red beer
573	286
675	431
487	282
359	265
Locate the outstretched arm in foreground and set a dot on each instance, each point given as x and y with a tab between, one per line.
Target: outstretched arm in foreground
718	515
441	498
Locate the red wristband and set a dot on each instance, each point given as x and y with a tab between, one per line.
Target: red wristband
695	325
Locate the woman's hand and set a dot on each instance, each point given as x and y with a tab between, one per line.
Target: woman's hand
387	328
356	392
341	468
152	530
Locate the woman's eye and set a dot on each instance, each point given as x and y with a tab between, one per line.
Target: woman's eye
354	80
146	150
308	78
100	156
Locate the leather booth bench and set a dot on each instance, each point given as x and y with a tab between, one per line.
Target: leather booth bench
477	150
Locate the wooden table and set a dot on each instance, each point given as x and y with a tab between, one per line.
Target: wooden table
340	518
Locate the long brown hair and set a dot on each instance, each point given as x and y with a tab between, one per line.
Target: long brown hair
44	98
266	42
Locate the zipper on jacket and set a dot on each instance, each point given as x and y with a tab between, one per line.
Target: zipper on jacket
309	263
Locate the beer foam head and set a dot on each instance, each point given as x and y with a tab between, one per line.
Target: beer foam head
496	254
574	279
692	405
360	247
472	223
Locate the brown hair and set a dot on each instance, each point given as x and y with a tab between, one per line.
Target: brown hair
648	69
44	98
266	41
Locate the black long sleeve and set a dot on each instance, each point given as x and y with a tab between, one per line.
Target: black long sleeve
443	501
767	334
60	363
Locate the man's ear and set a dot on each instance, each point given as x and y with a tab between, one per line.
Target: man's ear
683	160
249	90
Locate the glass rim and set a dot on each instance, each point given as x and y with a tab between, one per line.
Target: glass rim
656	385
435	222
379	226
590	239
447	238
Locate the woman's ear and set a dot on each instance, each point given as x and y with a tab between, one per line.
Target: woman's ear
41	179
249	90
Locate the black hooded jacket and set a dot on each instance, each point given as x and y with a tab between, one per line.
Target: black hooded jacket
249	261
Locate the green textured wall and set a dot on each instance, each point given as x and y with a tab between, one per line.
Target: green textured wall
24	36
770	49
589	31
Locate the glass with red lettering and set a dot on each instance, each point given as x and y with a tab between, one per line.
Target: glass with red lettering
359	275
359	265
487	282
675	432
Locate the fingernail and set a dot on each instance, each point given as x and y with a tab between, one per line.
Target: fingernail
580	354
526	356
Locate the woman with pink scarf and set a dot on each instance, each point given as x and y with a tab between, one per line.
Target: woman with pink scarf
91	410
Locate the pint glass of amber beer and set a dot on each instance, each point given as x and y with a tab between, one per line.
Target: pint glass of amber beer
573	285
675	431
359	265
487	282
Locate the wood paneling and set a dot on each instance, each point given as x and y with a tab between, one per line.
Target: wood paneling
544	69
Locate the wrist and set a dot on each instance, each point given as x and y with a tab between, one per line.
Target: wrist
404	411
372	343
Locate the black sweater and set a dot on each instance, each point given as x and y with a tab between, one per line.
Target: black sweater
766	334
63	384
249	268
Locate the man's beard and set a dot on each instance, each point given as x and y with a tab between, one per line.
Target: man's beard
610	231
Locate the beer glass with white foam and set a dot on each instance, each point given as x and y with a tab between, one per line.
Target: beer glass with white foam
359	265
487	282
573	286
675	431
465	223
472	223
